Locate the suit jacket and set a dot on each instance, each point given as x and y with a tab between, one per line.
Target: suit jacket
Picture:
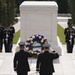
45	62
21	61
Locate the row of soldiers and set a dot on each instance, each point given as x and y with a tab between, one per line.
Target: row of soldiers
6	37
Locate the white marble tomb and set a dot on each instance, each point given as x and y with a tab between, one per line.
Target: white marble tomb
40	17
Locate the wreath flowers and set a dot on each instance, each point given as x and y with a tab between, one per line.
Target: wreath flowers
33	41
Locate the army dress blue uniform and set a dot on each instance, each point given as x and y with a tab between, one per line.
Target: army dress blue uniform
1	37
69	38
7	40
45	62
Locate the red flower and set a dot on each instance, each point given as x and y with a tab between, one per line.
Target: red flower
28	41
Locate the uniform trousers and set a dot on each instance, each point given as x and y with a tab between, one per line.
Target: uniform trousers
46	74
11	44
25	73
7	46
70	47
1	44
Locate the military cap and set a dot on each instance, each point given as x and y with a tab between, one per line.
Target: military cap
46	45
21	43
70	22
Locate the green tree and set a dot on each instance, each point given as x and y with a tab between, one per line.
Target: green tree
62	6
6	12
72	8
3	11
18	2
10	11
0	10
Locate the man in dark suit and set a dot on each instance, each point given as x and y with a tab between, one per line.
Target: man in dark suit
21	65
69	36
45	61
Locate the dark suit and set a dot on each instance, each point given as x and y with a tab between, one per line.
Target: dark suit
45	63
69	38
21	62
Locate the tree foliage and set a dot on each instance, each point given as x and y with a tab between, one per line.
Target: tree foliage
6	12
18	2
72	8
62	6
3	12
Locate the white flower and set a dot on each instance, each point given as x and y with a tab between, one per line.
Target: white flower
27	48
28	39
27	43
45	38
33	37
39	37
42	40
31	42
30	51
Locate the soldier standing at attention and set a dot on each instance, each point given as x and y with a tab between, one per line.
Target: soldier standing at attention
6	40
21	65
45	61
12	31
1	37
6	36
69	36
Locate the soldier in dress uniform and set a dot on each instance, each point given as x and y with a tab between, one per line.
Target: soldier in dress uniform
7	40
21	65
69	36
1	37
12	31
45	61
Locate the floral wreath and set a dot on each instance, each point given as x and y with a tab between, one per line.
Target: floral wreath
38	39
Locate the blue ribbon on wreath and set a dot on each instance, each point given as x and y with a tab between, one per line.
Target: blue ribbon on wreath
36	46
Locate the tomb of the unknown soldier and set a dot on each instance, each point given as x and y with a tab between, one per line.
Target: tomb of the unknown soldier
40	18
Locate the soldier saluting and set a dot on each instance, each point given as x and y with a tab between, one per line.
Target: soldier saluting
69	36
45	61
